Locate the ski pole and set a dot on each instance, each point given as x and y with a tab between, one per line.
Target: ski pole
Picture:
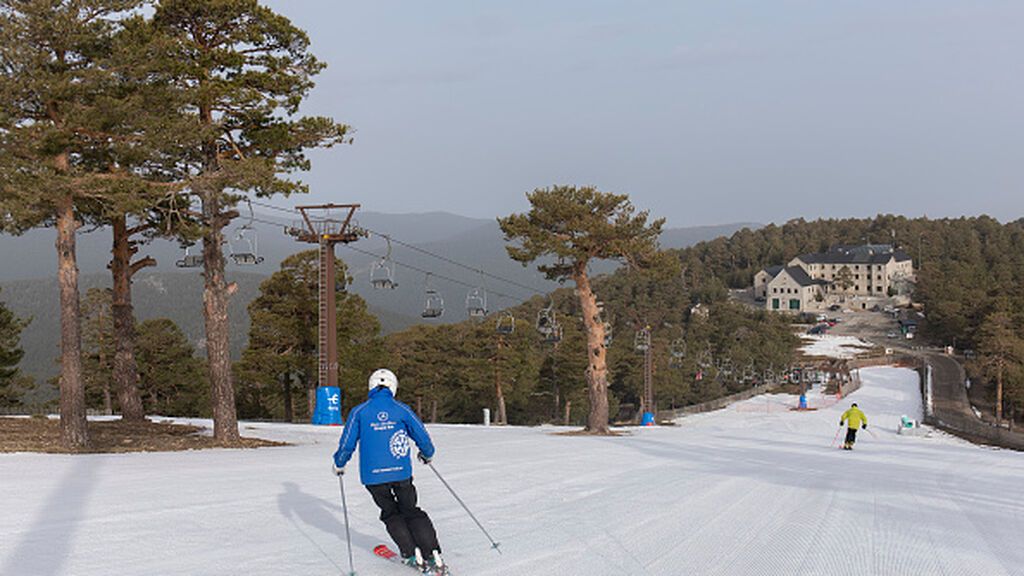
838	430
348	535
464	507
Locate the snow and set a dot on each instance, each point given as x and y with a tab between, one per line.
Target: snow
741	492
834	346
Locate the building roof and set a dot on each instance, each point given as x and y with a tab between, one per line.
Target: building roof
799	275
773	271
864	254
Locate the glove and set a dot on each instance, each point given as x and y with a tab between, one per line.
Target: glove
423	458
840	422
337	471
863	426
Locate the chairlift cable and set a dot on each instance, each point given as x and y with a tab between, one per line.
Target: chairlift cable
432	274
423	251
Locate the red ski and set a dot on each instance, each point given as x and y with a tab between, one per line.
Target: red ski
390	555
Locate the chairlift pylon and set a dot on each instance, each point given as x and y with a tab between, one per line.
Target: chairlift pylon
245	248
382	272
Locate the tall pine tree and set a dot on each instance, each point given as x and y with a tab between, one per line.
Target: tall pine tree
574	226
66	146
240	72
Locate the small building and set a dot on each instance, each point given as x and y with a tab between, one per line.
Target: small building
761	280
793	290
869	272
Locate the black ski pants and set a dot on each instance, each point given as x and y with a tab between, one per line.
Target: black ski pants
407	524
851	436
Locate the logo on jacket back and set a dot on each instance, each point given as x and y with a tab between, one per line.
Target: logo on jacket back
382	416
399	444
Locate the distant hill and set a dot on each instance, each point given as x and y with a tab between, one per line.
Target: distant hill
27	265
175	295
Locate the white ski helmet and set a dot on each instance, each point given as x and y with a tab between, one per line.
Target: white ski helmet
384	377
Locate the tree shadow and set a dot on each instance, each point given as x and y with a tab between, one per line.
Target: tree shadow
46	545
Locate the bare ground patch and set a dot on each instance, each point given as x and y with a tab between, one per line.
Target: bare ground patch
585	432
107	437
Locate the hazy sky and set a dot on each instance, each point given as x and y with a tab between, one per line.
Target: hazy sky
704	112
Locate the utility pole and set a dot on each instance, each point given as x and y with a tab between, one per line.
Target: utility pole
326	232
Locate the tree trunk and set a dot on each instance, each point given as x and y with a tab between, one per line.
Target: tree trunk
501	417
108	402
289	410
310	399
568	412
73	424
999	395
216	292
597	367
125	370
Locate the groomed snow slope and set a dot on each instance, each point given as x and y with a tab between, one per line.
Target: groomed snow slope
751	490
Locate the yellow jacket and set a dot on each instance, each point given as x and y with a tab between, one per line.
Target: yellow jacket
853	417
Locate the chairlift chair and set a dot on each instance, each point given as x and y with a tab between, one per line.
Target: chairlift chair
382	272
608	336
433	306
190	260
642	340
725	367
506	325
678	349
245	247
554	336
382	275
546	322
476	303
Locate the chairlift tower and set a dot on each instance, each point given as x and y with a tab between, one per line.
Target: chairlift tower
643	344
326	232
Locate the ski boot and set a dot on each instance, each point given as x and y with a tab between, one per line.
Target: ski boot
416	561
438	565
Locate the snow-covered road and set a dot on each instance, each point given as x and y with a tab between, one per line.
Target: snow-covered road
743	491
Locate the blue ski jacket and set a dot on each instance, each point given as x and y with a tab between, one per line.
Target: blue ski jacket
383	428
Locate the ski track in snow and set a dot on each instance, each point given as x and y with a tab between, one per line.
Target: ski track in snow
752	490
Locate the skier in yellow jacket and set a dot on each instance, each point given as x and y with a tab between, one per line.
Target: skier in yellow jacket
854	419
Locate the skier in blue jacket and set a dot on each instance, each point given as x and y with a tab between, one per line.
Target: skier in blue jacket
383	428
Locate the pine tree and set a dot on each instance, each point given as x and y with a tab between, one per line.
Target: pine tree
283	337
240	72
66	145
1002	353
11	382
171	376
98	349
575	225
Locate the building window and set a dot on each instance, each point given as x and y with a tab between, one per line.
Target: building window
878	288
879	277
794	304
775	303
